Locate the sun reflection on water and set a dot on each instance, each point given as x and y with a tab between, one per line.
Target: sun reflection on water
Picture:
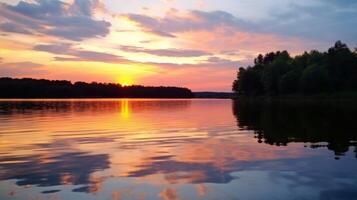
154	149
124	109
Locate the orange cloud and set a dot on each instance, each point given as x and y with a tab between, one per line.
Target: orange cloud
169	194
191	48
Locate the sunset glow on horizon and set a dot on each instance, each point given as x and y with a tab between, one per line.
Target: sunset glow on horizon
178	99
196	44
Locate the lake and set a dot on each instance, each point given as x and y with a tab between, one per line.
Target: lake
117	149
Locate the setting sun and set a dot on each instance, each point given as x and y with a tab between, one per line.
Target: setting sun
125	81
178	99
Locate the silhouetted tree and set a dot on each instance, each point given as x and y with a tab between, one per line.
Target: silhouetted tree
314	79
277	73
289	82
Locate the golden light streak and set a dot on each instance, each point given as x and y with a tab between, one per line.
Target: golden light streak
124	108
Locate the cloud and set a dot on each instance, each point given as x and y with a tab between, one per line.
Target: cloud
59	48
13	28
20	69
69	53
215	59
149	24
161	33
213	62
319	21
169	194
326	21
166	52
189	21
76	163
87	7
341	3
72	21
93	56
23	64
220	31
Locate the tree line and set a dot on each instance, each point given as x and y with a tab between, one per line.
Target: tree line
35	88
277	73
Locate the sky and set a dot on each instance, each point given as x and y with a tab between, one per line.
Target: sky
198	44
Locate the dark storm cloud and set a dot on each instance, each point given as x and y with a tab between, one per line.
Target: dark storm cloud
73	21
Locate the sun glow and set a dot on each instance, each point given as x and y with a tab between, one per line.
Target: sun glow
126	81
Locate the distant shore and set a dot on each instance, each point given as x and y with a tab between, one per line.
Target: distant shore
323	97
213	95
27	88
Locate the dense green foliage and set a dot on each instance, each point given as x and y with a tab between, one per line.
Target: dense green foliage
277	73
32	88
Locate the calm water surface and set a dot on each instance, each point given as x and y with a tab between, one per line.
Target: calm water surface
176	149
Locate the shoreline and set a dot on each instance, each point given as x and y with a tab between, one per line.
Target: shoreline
322	98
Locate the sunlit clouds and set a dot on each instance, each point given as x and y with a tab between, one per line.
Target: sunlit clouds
195	44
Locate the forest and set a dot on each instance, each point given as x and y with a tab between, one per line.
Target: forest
314	72
35	88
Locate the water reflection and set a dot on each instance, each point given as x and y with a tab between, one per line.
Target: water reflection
124	106
63	169
171	149
310	122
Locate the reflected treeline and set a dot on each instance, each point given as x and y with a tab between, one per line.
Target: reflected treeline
312	122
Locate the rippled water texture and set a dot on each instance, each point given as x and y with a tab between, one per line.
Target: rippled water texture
176	149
